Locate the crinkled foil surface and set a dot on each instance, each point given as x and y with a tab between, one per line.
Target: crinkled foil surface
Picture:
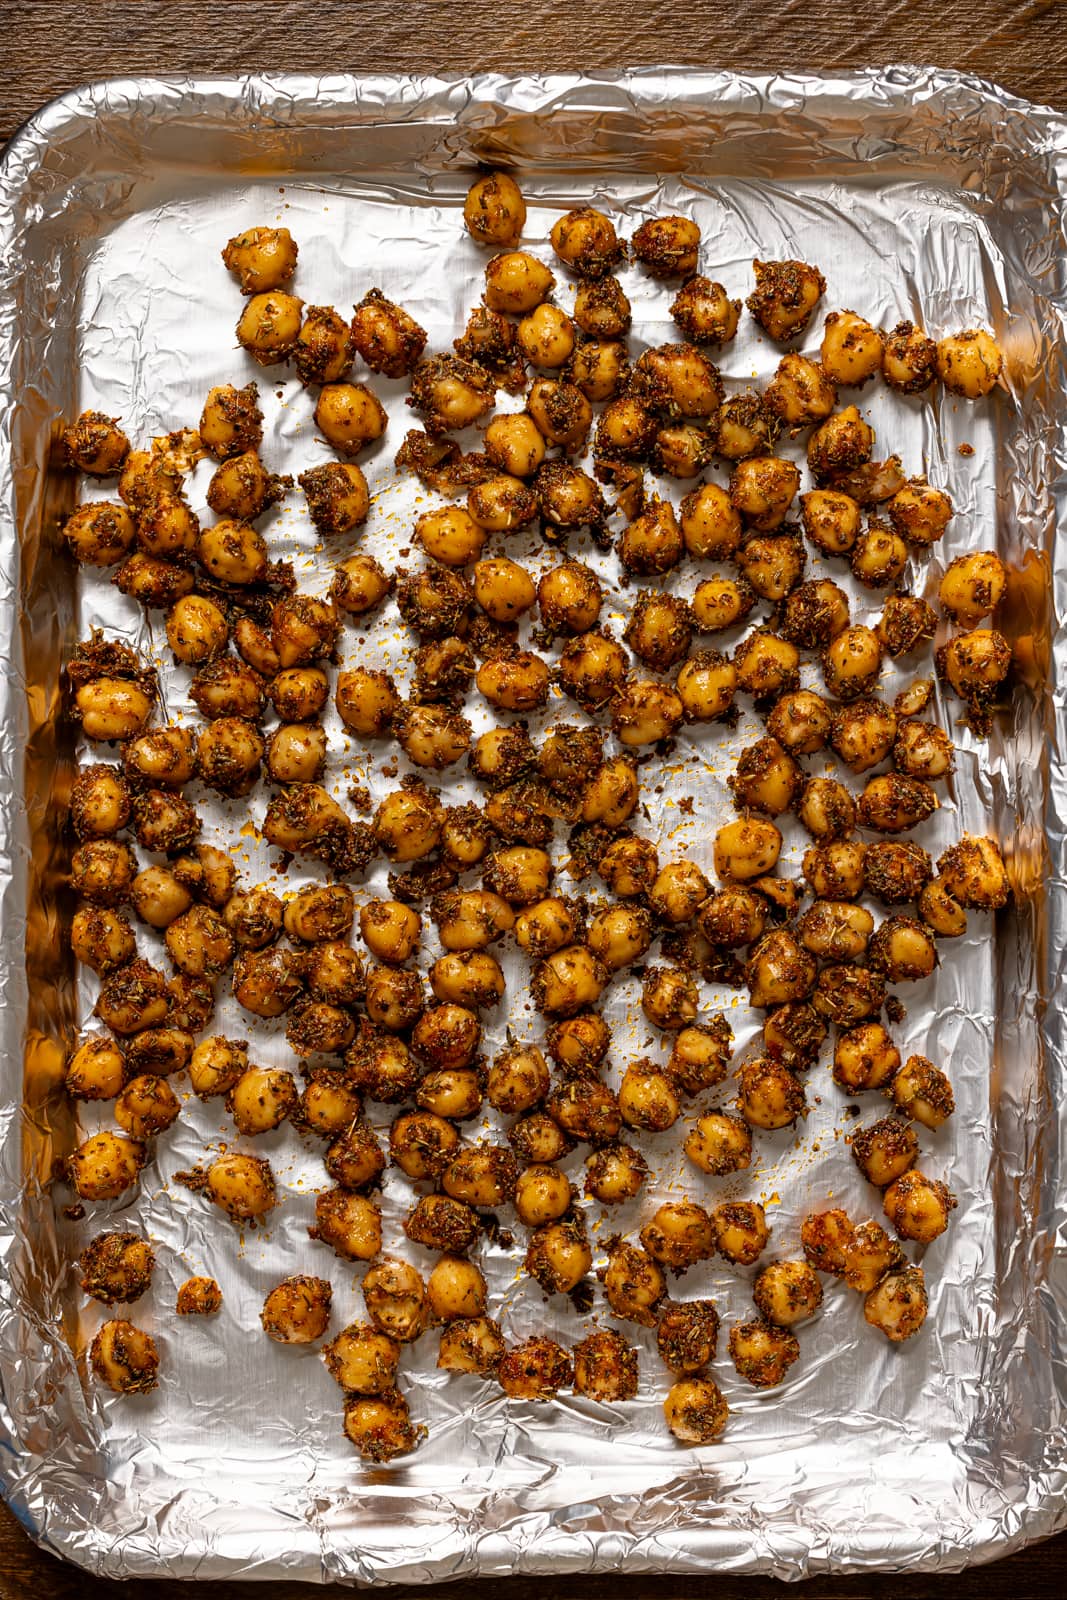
919	193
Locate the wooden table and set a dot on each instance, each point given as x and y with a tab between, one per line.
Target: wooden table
51	45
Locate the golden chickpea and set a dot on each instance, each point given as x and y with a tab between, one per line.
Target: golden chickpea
546	338
762	489
646	713
852	663
474	1345
95	444
705	685
520	874
441	1223
112	709
941	911
895	804
421	1145
514	683
543	1194
579	1044
884	1150
867	1254
395	1297
534	1370
297	1310
909	359
922	1091
679	1235
502	504
652	543
517	282
862	733
852	349
503	589
801	392
711	527
896	871
389	340
536	1138
350	1224
679	890
634	1284
842	442
231	423
835	930
450	536
394	999
269	326
261	258
669	997
772	565
741	1232
787	1292
199	942
266	982
745	425
454	1289
228	756
766	778
567	981
362	1360
592	669
240	1185
261	1099
847	995
903	949
101	939
233	552
973	872
831	520
296	753
432	736
615	1173
407	824
125	1358
558	1256
746	849
327	1104
146	1106
612	794
969	363
700	1055
975	664
719	603
380	1426
878	556
349	416
696	1411
242	488
605	1367
367	702
359	584
390	930
719	1143
99	534
769	1095
517	1080
152	582
824	1236
338	501
197	630
585	240
494	212
647	1097
323	347
762	1353
320	912
105	1165
481	1175
766	665
601	308
785	297
733	916
96	1070
117	1267
546	926
918	1207
800	722
972	587
865	1057
919	513
668	246
598	368
897	1306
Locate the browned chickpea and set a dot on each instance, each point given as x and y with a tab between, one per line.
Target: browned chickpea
558	1256
719	603
969	363
451	393
896	871
772	565
350	1224
733	916
601	308
261	258
898	1304
105	1165
770	1096
741	1232
785	297
975	664
297	1310
502	504
744	426
349	416
579	1044
516	282
787	1292
536	1369
831	520
389	340
615	1173
895	804
395	1297
96	1070
431	735
842	442
865	1057
825	1236
766	778
421	1144
973	872
408	824
704	311
117	1267
230	424
338	501
867	1254
536	1138
903	949
852	663
794	1034
494	212
696	1411
801	392
269	326
567	981
835	930
481	1175
800	722
668	246
592	669
766	665
762	1353
847	995
125	1358
884	1150
645	713
918	1207
647	1097
679	1235
586	1110
762	489
852	349
146	1106
687	1335
517	1080
598	368
746	849
908	363
878	556
919	513
323	347
455	1289
612	794
719	1143
605	1367
706	685
95	444
99	534
520	874
585	240
380	1426
133	998
972	587
362	1360
862	733
634	1283
941	911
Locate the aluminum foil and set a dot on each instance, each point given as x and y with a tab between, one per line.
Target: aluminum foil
920	193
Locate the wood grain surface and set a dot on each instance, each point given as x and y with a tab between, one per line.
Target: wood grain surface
49	46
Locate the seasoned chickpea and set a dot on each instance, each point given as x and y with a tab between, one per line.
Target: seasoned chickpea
687	1335
355	1159
973	872
903	949
454	1289
645	713
867	1254
450	535
117	1267
133	998
520	874
362	1360
862	733
146	1106
431	736
835	930
919	513
696	1411
503	589
517	282
96	1070
536	1369
895	804
705	686
514	683
197	630
766	778
350	1224
897	1306
846	995
585	240
772	565
941	911
769	1095
380	1426
704	311
787	1292
536	1138
567	981
831	520
327	1104
105	1165
800	722
233	552
230	424
386	336
421	1145
242	488
482	1175
897	871
841	443
474	1345
679	889
612	794
762	1353
835	870
652	543
390	930
852	349
719	1143
395	1297
296	753
518	1079
394	999
865	1057
918	1207
269	326
543	1194
592	669
102	939
975	664
969	363
660	629
801	392
240	1185
261	258
884	1150
825	1236
878	556
349	416
679	1235
766	665
199	942
367	702
700	1055
741	1232
762	489
669	997
408	824
441	1223
922	1091
719	603
297	1310
323	347
852	663
586	1110
579	1044
785	296
668	246
746	849
125	1358
605	1367
95	444
710	524
494	211
228	756
153	582
359	584
261	1099
908	363
615	1173
467	978
634	1283
99	534
558	1256
972	587
648	1098
598	368
266	982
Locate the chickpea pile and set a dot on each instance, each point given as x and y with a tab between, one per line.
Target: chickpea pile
386	998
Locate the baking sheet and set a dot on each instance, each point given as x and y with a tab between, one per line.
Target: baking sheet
917	192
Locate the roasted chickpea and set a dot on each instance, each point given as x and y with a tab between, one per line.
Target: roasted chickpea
741	1232
634	1283
146	1106
261	258
668	246
865	1057
502	504
762	1353
261	1099
787	1292
534	1370
359	584
679	1235
897	1306
517	282
200	943
125	1358
362	1360
233	552
772	565
102	871
349	416
785	297
704	311
862	733
579	1044
766	665
884	1150
158	897
542	1195
592	669
296	753
269	326
408	824
96	1070
852	663
851	350
474	1345
647	1097
800	722
230	424
908	363
878	556
323	347
770	1096
679	889
766	778
546	338
615	1173
395	1297
558	1256
696	1411
746	849
386	336
99	534
567	981
762	489
546	926
645	713
380	1426
454	1289
922	1091
841	443
700	1055
973	872
831	520
105	1165
905	623
297	1310
514	683
835	870
494	212
518	1079
835	930
918	1207
719	1143
605	1367
969	363
586	1110
719	603
825	1236
896	872
585	240
706	685
520	874
941	911
95	444
242	488
327	1104
481	1175
895	804
102	939
975	664
350	1224
117	1267
801	392
903	949
536	1138
919	513
867	1254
